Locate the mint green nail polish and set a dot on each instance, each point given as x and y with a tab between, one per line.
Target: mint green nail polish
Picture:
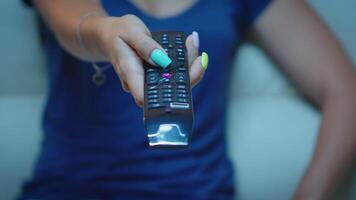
160	58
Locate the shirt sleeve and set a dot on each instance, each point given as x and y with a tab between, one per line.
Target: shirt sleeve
252	9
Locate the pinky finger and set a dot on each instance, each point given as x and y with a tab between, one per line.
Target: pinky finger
197	69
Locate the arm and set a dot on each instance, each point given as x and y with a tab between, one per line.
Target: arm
315	61
124	41
63	18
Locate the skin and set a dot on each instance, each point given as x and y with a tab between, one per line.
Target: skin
124	41
318	65
306	51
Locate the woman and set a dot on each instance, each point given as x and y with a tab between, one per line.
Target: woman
95	145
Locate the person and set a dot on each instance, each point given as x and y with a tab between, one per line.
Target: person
95	146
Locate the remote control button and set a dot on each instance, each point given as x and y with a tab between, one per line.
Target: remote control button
163	42
182	69
181	100
156	105
166	50
179	50
164	35
179	105
166	75
167	95
151	101
180	77
182	96
180	58
170	46
154	96
152	92
152	87
180	54
166	86
180	91
166	80
150	70
178	38
181	86
178	42
167	91
167	100
164	38
152	79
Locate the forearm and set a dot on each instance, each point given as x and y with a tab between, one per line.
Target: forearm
316	62
64	16
334	157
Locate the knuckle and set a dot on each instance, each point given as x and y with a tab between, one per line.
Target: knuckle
130	17
143	47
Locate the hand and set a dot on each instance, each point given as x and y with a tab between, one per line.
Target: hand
126	41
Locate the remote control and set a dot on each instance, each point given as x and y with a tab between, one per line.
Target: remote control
168	106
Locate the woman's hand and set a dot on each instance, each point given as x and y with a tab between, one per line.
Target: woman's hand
126	42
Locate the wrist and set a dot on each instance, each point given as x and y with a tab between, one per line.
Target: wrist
89	35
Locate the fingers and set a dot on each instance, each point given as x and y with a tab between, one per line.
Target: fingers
197	64
129	67
138	37
192	44
148	49
196	72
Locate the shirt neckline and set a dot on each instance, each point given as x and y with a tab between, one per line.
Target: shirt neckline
186	12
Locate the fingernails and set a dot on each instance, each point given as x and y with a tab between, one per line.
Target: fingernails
195	39
160	58
204	60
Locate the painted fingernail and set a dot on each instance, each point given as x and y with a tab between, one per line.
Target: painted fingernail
160	58
204	60
195	39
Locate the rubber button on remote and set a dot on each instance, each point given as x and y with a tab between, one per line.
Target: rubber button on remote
180	91
150	101
152	87
154	96
181	87
167	95
182	96
152	79
180	77
180	58
152	92
166	80
156	105
181	100
167	91
167	100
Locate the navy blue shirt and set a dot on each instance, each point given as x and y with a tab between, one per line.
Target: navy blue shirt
95	146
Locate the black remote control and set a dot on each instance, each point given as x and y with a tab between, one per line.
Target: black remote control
168	105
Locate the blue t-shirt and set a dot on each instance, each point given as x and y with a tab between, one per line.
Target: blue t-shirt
95	146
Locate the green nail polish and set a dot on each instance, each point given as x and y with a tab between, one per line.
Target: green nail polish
160	58
204	60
